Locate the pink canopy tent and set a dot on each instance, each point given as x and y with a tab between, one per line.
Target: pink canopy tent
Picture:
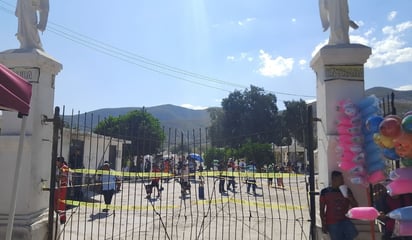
15	95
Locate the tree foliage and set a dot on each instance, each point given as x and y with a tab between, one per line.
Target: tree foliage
248	116
295	119
140	127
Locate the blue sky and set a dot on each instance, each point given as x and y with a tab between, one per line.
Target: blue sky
136	53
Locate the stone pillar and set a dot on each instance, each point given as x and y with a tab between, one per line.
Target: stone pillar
340	75
32	203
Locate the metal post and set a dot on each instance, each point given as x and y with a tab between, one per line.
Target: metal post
56	126
311	174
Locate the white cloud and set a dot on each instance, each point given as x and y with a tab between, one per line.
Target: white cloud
392	15
389	49
404	88
190	106
293	20
274	67
245	21
392	49
242	56
318	47
302	64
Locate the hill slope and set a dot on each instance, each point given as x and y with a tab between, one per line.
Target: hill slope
175	117
170	116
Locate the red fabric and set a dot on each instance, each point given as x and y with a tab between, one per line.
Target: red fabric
61	192
157	178
335	203
15	92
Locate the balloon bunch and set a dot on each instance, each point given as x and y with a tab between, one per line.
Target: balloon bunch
349	149
375	164
399	132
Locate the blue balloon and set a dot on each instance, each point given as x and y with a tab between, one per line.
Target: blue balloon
404	213
368	139
390	153
378	165
370	111
371	149
367	101
372	124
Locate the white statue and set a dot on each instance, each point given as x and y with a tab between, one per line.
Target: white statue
29	24
335	14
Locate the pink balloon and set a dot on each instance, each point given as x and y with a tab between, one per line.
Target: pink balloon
344	130
355	148
350	121
346	166
398	187
402	228
401	173
348	156
348	108
377	177
363	213
348	139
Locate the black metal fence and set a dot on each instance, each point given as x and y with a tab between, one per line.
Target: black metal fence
194	201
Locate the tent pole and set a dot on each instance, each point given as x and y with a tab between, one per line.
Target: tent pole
16	180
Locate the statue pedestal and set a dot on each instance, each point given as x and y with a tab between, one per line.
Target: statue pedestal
32	203
340	75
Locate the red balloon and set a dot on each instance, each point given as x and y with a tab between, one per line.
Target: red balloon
403	145
390	126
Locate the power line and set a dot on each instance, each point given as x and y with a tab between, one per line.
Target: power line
142	61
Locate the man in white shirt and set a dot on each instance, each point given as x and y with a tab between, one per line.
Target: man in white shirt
108	185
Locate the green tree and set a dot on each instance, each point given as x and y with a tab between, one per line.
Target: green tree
257	153
248	116
295	119
215	131
212	154
140	127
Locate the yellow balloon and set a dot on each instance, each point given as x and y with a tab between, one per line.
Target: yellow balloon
377	139
387	142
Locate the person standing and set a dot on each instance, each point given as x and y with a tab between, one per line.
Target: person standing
108	180
61	191
155	181
231	176
184	180
386	203
270	170
333	208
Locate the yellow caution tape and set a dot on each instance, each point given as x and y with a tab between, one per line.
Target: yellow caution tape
168	175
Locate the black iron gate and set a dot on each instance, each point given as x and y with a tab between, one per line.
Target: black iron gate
194	202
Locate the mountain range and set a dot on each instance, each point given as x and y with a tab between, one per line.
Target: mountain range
175	117
170	116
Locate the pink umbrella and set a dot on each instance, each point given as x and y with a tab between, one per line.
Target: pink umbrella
15	95
15	92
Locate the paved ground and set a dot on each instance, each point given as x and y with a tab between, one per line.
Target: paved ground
273	213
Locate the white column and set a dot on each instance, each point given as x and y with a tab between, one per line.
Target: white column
340	75
32	203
